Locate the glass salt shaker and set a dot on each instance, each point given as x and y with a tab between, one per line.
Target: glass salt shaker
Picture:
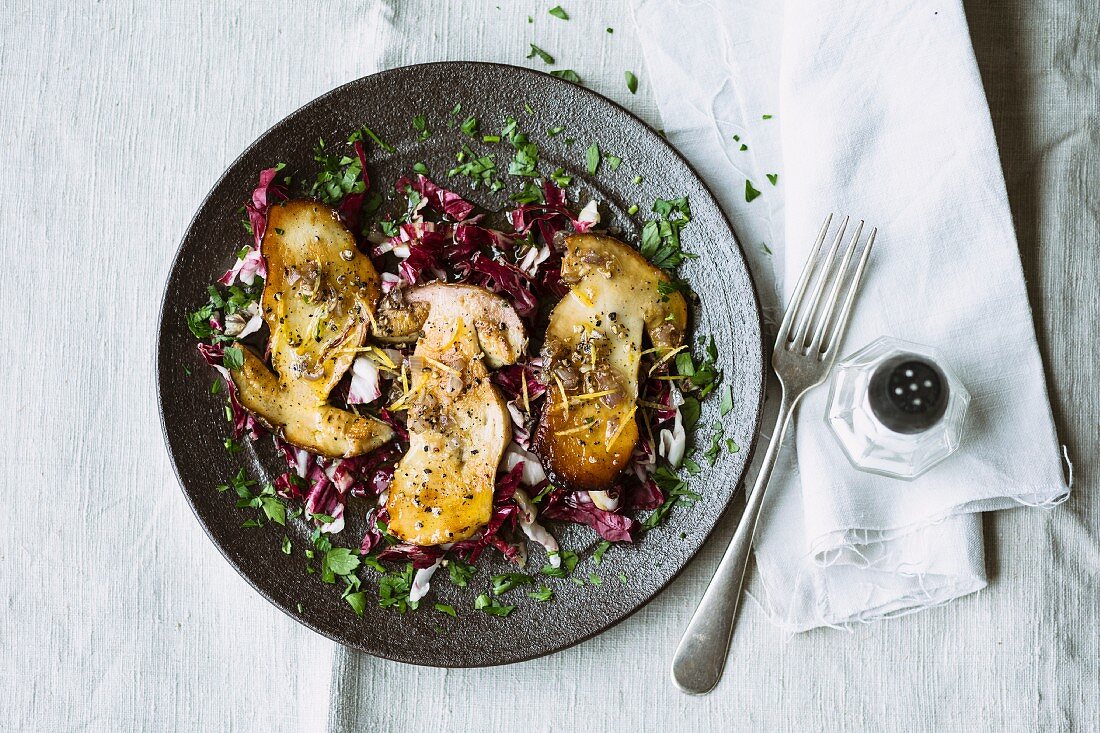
896	408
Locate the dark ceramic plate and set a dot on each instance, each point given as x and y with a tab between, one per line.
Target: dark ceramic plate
194	421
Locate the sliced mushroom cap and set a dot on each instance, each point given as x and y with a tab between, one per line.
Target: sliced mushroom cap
593	349
459	426
318	303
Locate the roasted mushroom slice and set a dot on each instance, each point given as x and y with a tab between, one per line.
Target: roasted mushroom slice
318	303
442	489
593	348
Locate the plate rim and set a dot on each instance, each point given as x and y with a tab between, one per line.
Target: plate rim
757	411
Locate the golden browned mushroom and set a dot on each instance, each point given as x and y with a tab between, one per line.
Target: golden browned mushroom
318	303
442	489
593	348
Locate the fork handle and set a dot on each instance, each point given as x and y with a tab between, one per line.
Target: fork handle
701	655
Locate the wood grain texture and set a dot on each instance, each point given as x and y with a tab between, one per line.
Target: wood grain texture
117	613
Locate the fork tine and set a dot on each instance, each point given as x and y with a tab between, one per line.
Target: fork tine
841	322
834	294
800	289
806	320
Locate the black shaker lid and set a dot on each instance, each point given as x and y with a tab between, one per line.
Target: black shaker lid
908	393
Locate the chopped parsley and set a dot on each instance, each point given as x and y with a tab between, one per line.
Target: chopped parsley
420	124
460	572
555	131
507	581
567	74
469	126
676	491
592	158
632	210
558	12
750	192
531	194
536	51
541	595
631	82
357	601
420	168
767	117
340	174
286	547
725	405
614	161
561	178
492	606
773	178
447	609
661	236
595	579
394	587
597	556
358	135
568	563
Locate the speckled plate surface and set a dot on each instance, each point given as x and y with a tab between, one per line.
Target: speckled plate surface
194	420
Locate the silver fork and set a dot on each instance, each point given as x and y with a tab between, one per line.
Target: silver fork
805	349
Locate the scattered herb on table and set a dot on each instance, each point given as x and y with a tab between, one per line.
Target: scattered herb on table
536	51
631	82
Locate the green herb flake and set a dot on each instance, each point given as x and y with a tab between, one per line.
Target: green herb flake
232	446
661	236
536	51
750	192
341	560
558	12
676	492
420	168
773	178
216	386
299	608
555	131
592	158
597	556
233	358
767	117
541	595
638	180
420	124
622	577
274	509
507	581
287	547
632	210
374	137
357	601
469	126
492	606
561	178
614	161
447	609
731	446
531	194
595	579
631	82
610	30
460	572
567	75
568	563
693	468
766	248
725	403
711	454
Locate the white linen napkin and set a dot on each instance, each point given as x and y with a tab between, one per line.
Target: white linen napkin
875	109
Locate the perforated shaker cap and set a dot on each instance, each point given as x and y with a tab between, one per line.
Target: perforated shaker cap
908	393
